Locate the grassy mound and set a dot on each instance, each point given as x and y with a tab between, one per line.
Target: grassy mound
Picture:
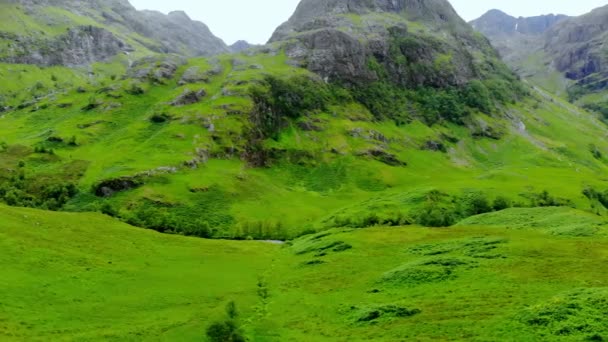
555	220
577	315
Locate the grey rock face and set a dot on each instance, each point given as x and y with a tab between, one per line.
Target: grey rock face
578	44
311	14
116	22
573	46
495	23
80	45
177	33
323	37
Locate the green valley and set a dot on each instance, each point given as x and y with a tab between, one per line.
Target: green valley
98	279
374	172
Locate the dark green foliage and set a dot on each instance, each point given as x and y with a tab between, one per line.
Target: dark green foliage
31	192
601	197
43	150
261	230
371	219
501	203
385	101
578	315
595	151
442	210
545	199
323	247
135	89
476	95
160	118
371	314
276	100
208	215
475	204
108	209
599	107
228	329
432	270
93	103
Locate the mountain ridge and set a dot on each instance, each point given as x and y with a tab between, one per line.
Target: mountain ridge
114	24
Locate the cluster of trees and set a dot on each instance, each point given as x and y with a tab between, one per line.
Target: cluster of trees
23	192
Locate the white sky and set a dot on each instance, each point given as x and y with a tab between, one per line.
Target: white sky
255	20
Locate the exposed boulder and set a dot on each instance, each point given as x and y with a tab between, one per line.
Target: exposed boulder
189	97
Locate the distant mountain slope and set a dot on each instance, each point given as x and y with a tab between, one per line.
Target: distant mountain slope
241	46
562	54
70	32
496	23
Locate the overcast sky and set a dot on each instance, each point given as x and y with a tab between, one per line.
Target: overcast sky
255	20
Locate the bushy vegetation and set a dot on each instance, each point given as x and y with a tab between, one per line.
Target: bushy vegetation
277	100
228	329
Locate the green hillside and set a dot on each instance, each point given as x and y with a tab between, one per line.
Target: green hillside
88	277
189	167
374	173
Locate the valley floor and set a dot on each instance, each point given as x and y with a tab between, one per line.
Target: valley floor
87	277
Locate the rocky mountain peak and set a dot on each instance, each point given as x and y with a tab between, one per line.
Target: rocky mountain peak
404	39
310	13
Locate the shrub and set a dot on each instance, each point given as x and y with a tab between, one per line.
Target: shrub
595	151
476	95
433	215
227	330
475	204
160	118
501	203
135	89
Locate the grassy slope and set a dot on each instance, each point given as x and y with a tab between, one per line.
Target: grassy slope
551	153
85	276
88	277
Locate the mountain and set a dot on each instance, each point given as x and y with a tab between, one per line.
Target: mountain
345	114
562	54
496	23
71	32
338	39
240	46
340	146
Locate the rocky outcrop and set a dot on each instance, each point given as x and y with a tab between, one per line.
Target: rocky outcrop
189	97
342	40
80	45
577	45
113	24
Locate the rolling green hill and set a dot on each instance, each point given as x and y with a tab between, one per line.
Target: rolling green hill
69	276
